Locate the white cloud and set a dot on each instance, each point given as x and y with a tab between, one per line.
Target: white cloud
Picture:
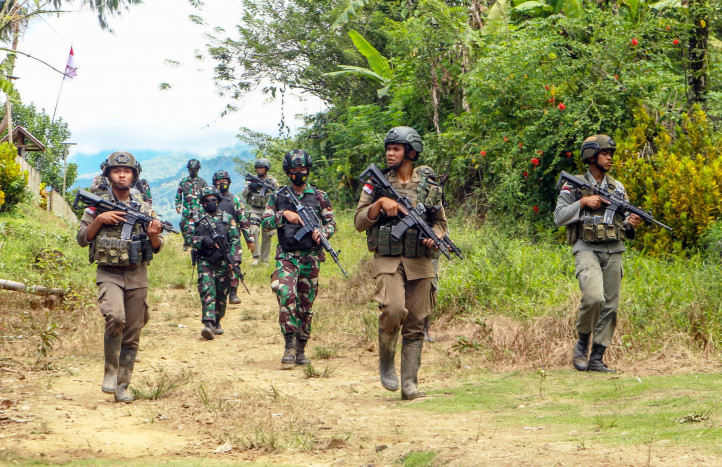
115	101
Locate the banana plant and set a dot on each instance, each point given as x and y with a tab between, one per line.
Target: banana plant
379	69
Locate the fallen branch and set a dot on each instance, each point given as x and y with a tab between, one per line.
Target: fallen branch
20	287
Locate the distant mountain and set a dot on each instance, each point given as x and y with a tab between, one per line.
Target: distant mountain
164	171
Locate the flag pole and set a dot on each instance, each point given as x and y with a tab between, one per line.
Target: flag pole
69	73
58	100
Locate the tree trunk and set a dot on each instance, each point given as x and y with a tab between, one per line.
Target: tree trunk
20	287
699	35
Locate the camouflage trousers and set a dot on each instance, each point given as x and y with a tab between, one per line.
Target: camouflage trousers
213	284
295	282
186	214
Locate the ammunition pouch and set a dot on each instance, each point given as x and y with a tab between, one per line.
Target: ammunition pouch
111	251
378	239
256	200
591	228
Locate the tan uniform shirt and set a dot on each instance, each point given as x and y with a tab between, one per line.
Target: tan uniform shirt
415	268
129	277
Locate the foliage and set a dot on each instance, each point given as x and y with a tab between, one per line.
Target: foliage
52	134
13	181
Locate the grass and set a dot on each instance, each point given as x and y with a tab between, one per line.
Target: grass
417	459
159	386
619	410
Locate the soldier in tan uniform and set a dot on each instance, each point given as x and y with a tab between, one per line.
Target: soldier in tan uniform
403	268
122	275
597	249
257	197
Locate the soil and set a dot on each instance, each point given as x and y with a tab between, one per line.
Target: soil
234	404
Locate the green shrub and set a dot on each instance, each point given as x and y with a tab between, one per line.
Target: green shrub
13	181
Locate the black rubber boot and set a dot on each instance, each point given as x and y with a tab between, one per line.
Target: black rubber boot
233	296
125	371
111	347
289	352
581	348
207	331
301	358
595	360
387	352
410	363
217	329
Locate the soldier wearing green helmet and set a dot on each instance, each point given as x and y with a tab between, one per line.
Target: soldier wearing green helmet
231	204
256	198
403	269
186	198
121	276
597	249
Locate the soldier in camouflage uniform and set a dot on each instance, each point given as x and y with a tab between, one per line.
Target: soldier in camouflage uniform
256	198
295	280
597	250
143	187
186	198
403	268
231	204
121	276
214	272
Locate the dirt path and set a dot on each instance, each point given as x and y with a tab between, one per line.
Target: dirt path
234	404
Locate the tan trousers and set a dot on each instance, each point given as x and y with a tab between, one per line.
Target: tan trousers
262	241
125	312
600	278
404	304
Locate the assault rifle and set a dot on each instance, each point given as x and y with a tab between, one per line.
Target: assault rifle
617	203
414	216
266	185
225	249
132	212
311	222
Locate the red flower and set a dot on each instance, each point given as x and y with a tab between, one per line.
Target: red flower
540	152
506	140
675	42
669	27
616	76
520	145
569	154
635	42
525	174
550	100
562	106
535	161
483	153
536	208
546	87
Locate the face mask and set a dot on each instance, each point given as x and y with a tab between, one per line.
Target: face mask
223	187
210	206
298	179
193	173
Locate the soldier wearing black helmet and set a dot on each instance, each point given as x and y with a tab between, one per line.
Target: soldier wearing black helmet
186	198
231	204
597	249
256	198
121	277
403	269
298	262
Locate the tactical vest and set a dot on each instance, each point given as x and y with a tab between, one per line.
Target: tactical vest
590	227
378	236
287	231
254	198
226	205
221	226
108	249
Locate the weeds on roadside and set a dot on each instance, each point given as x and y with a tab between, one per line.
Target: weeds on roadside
325	353
310	372
417	459
159	386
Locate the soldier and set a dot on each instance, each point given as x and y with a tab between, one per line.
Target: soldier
298	263
233	206
256	198
213	268
597	250
143	187
100	182
186	198
122	275
403	268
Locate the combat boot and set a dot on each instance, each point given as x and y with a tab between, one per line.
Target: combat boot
289	352
387	352
217	329
125	371
207	331
233	296
410	363
301	358
595	360
581	348
111	347
255	261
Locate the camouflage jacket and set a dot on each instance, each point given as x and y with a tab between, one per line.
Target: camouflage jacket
238	213
188	190
144	188
193	229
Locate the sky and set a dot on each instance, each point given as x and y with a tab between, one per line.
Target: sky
115	102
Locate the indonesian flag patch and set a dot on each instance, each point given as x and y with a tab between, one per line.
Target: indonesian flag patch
90	210
368	188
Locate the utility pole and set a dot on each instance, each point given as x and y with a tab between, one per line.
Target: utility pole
65	162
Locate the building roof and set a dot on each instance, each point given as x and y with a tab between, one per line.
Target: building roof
22	138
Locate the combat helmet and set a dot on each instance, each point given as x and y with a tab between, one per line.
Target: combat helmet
262	162
593	145
221	174
407	136
194	164
121	159
297	158
207	191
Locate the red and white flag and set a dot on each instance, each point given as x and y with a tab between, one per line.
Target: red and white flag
71	71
